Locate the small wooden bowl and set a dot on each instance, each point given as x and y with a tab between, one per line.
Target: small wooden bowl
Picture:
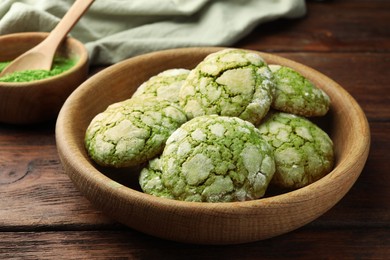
41	100
118	195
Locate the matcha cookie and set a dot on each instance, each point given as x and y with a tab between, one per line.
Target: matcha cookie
150	180
165	85
230	82
212	159
303	152
131	132
297	95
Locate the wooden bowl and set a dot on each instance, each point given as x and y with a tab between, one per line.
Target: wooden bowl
117	193
41	100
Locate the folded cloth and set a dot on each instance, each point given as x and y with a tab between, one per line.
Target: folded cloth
118	29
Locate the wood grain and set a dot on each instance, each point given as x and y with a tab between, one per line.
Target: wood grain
126	244
329	26
32	180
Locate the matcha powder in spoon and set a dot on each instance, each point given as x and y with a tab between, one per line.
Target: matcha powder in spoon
60	64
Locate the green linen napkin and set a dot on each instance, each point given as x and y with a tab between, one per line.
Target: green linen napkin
113	30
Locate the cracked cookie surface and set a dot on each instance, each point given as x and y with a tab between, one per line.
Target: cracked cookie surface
297	95
165	85
212	159
131	132
303	151
230	82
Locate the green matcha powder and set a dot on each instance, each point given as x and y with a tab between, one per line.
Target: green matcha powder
60	64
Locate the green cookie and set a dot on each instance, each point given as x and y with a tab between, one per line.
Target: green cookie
297	95
212	159
303	151
230	82
165	85
131	132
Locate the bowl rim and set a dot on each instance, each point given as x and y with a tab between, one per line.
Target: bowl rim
70	155
82	59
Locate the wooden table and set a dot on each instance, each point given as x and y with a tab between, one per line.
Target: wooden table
42	215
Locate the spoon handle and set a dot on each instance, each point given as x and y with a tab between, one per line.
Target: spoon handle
67	22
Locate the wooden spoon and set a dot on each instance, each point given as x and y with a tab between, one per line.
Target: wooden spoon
41	56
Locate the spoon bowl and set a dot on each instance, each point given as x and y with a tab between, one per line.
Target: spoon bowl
41	56
40	100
